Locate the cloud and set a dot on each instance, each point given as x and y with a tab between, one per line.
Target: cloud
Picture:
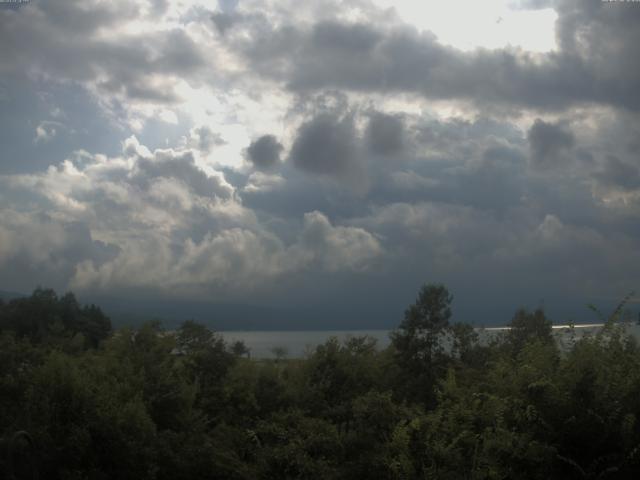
396	155
158	221
36	248
549	143
92	45
556	255
231	260
385	134
337	248
481	163
262	182
335	36
594	64
180	166
602	35
205	139
224	20
326	145
264	152
46	131
618	173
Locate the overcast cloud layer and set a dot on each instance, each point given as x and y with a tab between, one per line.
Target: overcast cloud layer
327	155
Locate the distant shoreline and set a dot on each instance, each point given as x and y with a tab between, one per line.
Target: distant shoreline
297	343
356	330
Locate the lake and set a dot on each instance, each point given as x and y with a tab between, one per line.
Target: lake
298	343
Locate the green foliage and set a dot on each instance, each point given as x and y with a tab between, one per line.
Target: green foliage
146	403
297	446
419	343
526	327
46	318
207	361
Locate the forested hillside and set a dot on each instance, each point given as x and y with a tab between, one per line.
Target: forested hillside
80	401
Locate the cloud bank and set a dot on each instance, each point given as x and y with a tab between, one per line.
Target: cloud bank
325	153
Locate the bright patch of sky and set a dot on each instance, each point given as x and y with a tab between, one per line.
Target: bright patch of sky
487	24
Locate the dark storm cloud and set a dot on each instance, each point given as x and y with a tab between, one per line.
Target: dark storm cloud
603	36
456	139
549	143
385	134
264	153
331	35
496	182
618	173
223	21
82	17
301	193
595	63
493	179
609	148
480	163
326	145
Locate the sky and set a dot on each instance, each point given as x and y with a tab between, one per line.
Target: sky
321	160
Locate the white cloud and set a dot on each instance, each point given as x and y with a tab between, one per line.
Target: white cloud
263	182
47	130
169	225
338	248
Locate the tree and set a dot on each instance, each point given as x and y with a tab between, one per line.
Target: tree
45	317
526	327
95	325
465	344
280	352
419	341
207	360
240	349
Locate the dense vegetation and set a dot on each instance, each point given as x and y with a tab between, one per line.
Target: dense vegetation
438	403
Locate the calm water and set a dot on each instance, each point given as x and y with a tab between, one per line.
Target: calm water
298	343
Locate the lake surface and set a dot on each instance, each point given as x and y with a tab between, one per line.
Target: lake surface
299	343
